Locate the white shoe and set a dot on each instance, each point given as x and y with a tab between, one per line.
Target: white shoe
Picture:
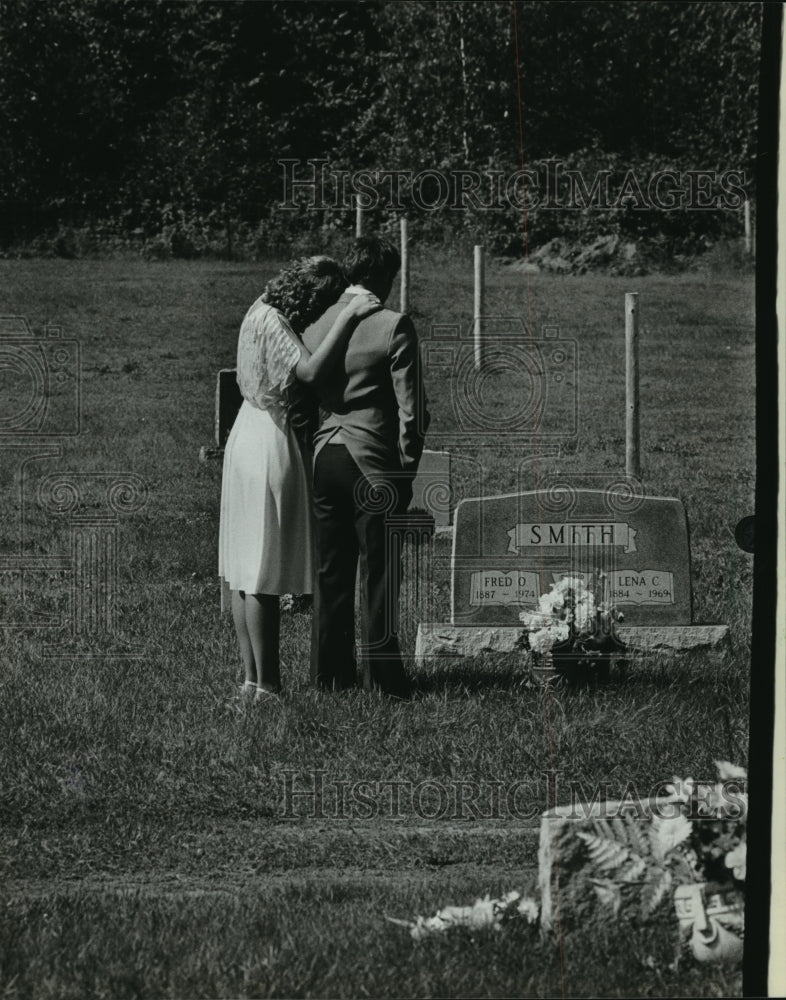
244	695
262	695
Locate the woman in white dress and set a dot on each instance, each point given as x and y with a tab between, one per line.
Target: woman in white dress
265	534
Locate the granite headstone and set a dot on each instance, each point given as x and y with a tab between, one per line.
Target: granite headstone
508	550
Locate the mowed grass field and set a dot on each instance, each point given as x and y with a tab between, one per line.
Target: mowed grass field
153	841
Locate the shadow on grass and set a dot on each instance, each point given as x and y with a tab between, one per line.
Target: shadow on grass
469	677
325	939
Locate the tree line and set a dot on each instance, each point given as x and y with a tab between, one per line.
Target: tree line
156	117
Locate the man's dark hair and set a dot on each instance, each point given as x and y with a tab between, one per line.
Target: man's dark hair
370	259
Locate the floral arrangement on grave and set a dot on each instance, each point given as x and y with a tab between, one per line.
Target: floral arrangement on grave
484	914
573	631
694	851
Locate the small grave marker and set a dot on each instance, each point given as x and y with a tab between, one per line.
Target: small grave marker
431	486
228	403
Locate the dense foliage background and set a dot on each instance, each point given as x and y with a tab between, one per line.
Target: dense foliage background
164	121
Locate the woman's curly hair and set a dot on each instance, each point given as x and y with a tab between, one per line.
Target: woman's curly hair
305	289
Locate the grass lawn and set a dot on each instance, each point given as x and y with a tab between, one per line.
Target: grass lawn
157	843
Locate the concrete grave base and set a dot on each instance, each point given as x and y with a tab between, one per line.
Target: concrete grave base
443	639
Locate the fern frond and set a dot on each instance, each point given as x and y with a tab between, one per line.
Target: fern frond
637	868
638	839
620	829
605	853
654	892
608	893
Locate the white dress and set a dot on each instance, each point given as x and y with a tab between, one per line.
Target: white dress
265	533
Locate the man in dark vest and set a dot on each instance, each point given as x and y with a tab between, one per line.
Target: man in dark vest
366	454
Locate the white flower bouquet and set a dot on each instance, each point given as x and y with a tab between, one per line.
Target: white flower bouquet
484	914
573	630
716	849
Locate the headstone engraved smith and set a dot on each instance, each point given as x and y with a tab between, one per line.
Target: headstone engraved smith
508	551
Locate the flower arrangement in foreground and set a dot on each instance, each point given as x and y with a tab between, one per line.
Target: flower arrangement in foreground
717	845
692	850
484	914
574	628
696	835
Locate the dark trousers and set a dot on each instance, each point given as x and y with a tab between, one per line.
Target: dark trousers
351	519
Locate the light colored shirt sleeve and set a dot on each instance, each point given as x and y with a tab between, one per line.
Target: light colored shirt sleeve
267	354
